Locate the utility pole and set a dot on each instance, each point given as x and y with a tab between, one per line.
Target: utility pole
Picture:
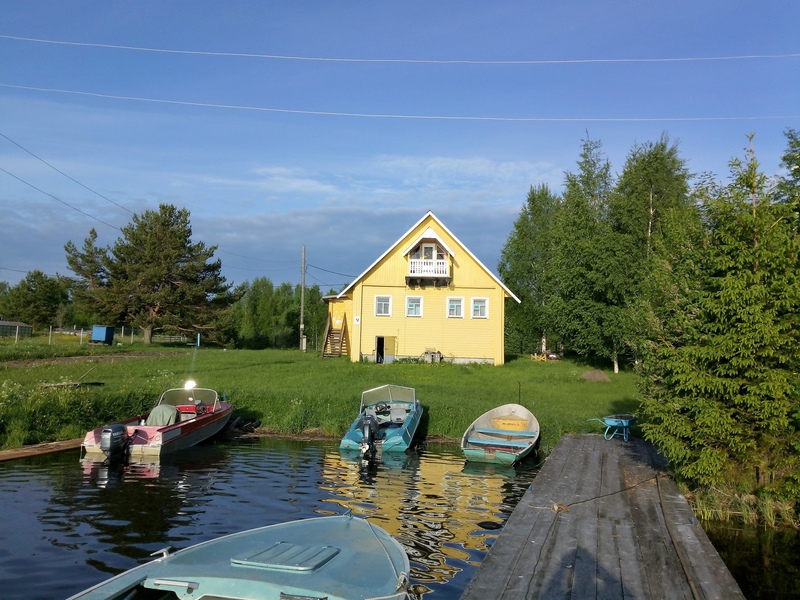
302	300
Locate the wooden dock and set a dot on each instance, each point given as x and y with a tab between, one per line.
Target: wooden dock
602	519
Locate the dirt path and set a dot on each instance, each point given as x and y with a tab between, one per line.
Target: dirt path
88	358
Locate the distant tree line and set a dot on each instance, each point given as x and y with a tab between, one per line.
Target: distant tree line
266	316
693	282
157	279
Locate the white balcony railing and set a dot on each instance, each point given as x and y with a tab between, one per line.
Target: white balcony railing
418	267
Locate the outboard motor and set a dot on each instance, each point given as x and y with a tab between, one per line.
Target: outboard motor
114	440
369	434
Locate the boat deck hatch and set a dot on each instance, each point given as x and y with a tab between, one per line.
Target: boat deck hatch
285	556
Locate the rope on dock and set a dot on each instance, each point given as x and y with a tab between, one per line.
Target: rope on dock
561	507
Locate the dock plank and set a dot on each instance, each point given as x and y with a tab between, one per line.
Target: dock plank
602	519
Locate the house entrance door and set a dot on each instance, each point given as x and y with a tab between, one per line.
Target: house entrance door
384	349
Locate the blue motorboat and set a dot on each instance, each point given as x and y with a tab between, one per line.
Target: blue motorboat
336	557
387	420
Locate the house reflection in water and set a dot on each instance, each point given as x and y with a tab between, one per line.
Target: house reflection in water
445	513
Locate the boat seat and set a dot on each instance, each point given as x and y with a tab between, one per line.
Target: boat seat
485	442
398	414
507	432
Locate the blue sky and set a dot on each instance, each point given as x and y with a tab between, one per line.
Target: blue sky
337	125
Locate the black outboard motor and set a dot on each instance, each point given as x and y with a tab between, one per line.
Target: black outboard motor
114	440
369	434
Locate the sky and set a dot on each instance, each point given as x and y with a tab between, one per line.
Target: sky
336	126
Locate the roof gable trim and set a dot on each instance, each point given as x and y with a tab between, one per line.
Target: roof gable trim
450	233
429	234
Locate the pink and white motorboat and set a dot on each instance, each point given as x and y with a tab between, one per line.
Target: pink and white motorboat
182	417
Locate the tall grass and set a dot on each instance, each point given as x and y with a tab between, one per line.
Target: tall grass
716	504
293	392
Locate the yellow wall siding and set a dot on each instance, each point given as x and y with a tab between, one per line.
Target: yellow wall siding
463	337
456	338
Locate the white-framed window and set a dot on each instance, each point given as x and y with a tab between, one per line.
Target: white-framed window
455	308
413	306
383	306
428	251
480	308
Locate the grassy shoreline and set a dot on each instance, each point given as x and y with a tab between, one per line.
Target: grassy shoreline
290	392
302	395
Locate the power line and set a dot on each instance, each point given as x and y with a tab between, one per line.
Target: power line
120	206
103	222
15	270
404	60
64	174
331	272
401	116
330	285
58	199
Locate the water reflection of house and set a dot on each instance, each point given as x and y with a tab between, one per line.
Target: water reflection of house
426	297
429	506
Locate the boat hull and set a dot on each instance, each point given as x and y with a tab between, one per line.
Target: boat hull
337	557
396	425
503	436
145	442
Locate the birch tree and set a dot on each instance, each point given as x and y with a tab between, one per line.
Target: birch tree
584	307
525	268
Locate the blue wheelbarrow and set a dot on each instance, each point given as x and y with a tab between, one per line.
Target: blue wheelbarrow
617	425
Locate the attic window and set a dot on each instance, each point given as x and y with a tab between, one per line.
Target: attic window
428	251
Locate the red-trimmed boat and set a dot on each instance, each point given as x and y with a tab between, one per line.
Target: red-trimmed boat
182	417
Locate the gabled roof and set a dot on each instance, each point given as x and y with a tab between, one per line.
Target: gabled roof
429	234
426	235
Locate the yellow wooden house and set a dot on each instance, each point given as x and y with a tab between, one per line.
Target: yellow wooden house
426	297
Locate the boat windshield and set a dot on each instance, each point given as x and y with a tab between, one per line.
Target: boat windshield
182	396
388	393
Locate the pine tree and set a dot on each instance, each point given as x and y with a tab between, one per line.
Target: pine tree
721	387
154	277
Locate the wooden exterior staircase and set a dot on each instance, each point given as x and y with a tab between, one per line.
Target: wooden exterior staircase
335	340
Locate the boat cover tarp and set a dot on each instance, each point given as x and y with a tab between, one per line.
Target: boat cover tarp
163	415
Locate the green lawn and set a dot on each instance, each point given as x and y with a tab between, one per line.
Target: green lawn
289	391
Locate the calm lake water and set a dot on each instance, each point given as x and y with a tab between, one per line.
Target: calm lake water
65	525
